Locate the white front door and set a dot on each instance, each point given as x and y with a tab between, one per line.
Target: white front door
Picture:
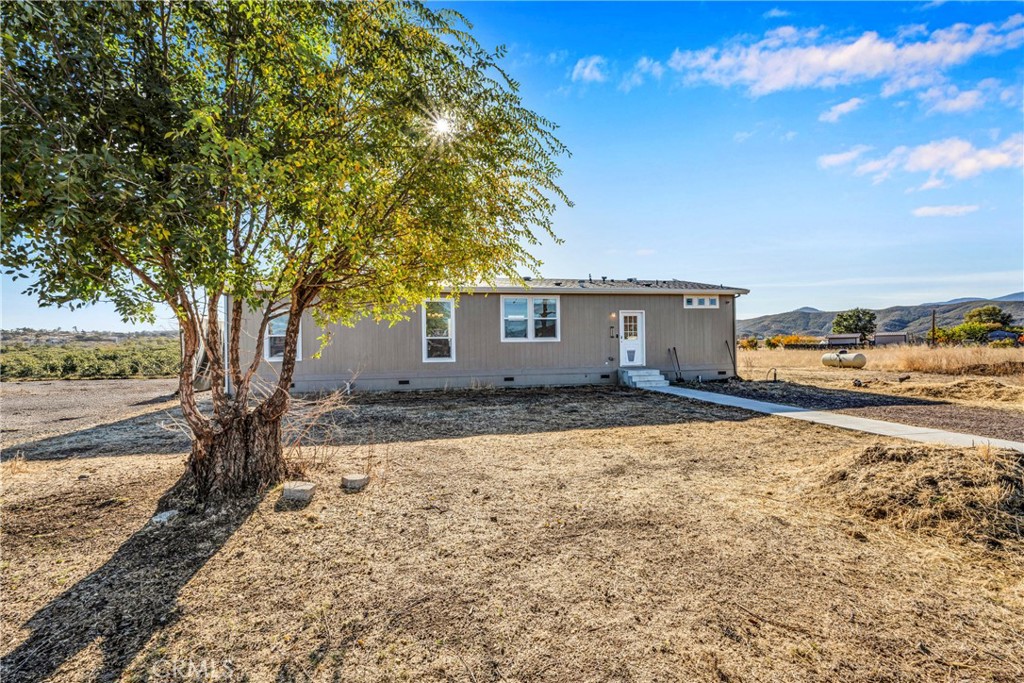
632	350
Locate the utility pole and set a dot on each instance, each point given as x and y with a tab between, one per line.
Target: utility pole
933	341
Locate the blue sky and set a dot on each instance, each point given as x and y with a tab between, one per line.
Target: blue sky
820	154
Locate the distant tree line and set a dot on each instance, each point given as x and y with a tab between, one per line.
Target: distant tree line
978	328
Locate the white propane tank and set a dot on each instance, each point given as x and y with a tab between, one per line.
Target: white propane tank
844	360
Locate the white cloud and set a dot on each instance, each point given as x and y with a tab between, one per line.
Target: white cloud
775	13
932	184
843	108
645	66
842	158
789	136
947	211
590	70
790	58
949	99
952	157
742	136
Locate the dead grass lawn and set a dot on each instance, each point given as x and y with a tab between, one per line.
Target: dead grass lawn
590	535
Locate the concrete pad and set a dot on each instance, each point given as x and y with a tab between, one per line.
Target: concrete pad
354	482
860	424
299	491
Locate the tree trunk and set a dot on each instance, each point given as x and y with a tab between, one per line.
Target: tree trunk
235	464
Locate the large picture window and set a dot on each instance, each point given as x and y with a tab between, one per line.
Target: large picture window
530	318
439	331
273	343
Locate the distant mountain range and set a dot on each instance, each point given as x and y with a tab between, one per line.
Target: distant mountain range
914	320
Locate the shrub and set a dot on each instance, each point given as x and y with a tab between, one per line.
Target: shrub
796	339
773	342
748	344
990	315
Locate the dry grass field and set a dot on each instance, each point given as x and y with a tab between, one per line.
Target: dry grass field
559	535
969	360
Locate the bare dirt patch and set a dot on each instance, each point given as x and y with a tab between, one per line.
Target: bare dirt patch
568	535
33	412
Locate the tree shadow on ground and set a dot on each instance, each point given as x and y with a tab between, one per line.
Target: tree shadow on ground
124	602
421	416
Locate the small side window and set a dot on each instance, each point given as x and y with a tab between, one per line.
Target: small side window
700	302
439	331
273	343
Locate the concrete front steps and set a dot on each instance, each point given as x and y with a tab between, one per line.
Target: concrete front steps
642	378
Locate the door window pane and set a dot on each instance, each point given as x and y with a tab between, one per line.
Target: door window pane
629	327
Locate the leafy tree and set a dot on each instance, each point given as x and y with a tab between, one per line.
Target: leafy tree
856	321
991	314
346	159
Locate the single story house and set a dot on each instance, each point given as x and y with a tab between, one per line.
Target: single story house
550	332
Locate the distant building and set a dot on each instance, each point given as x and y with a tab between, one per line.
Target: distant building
852	339
889	338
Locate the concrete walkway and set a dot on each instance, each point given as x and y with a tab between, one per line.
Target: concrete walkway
860	424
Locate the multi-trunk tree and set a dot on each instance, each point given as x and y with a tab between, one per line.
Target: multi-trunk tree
345	159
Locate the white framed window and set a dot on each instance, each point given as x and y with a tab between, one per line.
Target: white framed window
439	331
700	301
273	342
531	318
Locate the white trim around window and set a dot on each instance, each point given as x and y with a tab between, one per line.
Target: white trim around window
701	301
531	318
273	340
439	334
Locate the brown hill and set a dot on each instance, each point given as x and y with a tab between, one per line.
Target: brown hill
915	320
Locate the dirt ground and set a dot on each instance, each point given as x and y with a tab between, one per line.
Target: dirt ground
561	535
35	411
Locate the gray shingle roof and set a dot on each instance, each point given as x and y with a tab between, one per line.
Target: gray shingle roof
609	285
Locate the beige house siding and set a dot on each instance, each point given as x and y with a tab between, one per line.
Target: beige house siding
380	357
